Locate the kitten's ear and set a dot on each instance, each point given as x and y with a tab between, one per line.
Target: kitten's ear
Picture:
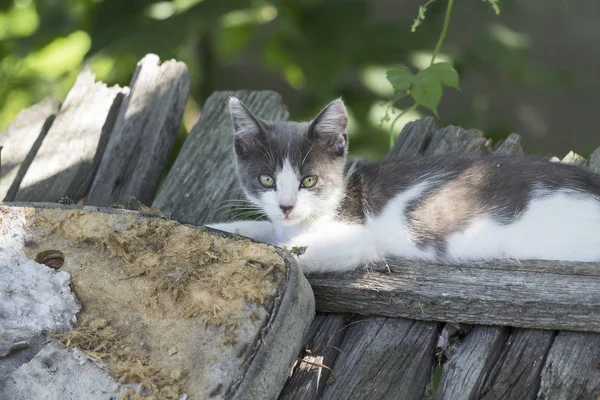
330	127
245	125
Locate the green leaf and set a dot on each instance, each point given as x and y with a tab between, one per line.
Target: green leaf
443	73
427	93
400	78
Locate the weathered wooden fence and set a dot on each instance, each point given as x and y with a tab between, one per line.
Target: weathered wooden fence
531	329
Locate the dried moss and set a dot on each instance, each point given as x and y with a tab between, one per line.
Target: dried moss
203	273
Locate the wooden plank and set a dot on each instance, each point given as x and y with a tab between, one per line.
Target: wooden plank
572	368
203	177
511	145
457	293
594	161
414	138
144	133
68	157
464	374
516	374
384	358
20	142
308	380
454	139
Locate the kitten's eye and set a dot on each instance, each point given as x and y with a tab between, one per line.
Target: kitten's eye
309	181
266	180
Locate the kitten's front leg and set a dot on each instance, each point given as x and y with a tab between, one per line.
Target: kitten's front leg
262	231
335	247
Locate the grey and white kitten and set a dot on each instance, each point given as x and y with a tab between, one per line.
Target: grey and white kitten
445	208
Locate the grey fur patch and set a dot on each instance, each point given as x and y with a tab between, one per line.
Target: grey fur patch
462	189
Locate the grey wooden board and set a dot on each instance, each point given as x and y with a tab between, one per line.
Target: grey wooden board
511	145
414	138
143	135
21	141
572	368
323	343
454	139
472	294
516	374
203	178
58	373
594	161
465	373
384	358
68	157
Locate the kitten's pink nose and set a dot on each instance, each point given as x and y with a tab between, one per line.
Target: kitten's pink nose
286	209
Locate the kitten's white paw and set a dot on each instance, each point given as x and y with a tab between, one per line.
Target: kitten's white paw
257	230
313	257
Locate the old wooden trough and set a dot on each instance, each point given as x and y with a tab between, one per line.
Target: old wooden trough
499	330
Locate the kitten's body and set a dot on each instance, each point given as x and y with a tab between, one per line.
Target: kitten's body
447	208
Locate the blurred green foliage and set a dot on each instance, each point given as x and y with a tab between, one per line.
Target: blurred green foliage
318	49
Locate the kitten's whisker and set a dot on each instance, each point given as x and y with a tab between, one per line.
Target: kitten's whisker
268	154
271	152
307	153
246	211
242	217
265	155
237	207
233	202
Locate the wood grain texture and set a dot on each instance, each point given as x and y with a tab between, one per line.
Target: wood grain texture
68	157
572	368
454	139
384	358
594	161
144	133
308	381
516	374
203	177
465	294
21	141
511	145
414	138
465	373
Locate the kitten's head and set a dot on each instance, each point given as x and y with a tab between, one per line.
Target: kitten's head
292	170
